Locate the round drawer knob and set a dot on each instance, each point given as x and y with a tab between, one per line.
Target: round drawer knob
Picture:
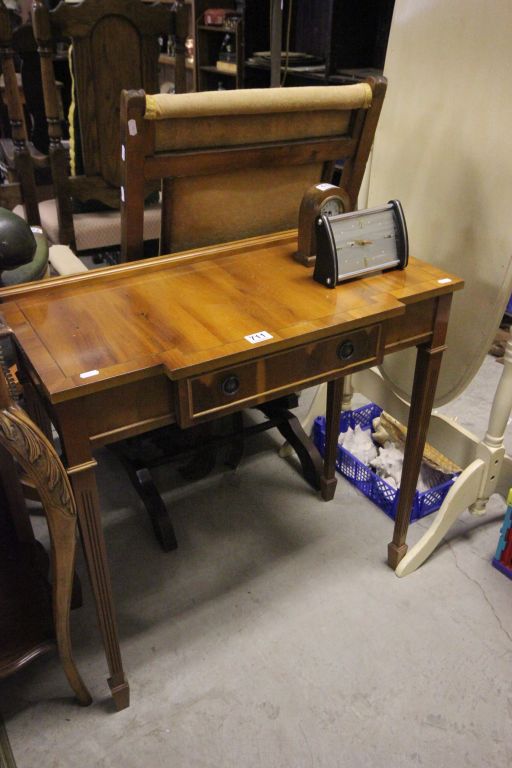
346	350
231	385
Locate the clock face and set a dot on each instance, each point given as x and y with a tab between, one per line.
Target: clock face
360	243
332	206
366	243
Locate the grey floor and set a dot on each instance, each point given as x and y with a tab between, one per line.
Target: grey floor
276	636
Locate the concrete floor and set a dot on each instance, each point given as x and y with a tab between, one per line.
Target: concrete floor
276	636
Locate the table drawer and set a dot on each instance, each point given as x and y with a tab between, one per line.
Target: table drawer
207	396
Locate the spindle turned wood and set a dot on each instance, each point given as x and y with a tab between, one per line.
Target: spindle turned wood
24	189
176	334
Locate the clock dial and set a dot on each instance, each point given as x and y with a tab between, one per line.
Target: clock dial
320	200
360	243
332	207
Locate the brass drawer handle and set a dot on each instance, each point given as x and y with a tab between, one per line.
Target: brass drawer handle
230	385
345	350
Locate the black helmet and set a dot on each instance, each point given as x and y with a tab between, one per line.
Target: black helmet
17	242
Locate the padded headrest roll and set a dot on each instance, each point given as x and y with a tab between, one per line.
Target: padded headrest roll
258	101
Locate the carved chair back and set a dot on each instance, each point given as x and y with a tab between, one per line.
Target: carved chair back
114	45
236	164
30	450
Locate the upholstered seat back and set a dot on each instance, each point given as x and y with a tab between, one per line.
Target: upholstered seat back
235	164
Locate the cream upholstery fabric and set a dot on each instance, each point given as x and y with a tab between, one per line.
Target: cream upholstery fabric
232	118
64	261
94	230
258	101
205	210
237	130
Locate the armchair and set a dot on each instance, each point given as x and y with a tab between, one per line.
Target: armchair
235	165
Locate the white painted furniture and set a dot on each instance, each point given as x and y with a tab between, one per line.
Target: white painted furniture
444	149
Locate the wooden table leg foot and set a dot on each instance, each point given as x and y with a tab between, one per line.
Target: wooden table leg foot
328	487
395	554
120	694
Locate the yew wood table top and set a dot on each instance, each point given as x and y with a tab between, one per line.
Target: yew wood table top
191	312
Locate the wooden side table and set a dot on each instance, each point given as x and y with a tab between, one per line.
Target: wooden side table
179	348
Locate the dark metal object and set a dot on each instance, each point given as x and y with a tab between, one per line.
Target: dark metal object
231	385
17	242
346	350
275	43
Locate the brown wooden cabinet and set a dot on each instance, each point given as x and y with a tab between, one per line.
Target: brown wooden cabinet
349	34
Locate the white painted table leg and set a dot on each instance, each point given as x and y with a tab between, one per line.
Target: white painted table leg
490	473
493	444
462	493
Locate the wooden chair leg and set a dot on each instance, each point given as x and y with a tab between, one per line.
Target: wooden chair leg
63	566
39	460
290	428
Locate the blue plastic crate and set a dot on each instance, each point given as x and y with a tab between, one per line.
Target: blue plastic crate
364	478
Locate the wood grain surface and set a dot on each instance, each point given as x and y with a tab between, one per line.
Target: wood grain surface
190	313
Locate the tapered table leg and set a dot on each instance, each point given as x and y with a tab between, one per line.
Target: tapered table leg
81	468
332	427
426	373
93	542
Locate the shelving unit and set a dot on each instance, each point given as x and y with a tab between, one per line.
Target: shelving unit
168	62
208	43
348	39
342	41
167	68
250	33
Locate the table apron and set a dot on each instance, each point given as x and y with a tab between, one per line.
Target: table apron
139	406
210	395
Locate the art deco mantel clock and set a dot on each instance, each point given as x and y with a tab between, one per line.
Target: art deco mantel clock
355	244
319	200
